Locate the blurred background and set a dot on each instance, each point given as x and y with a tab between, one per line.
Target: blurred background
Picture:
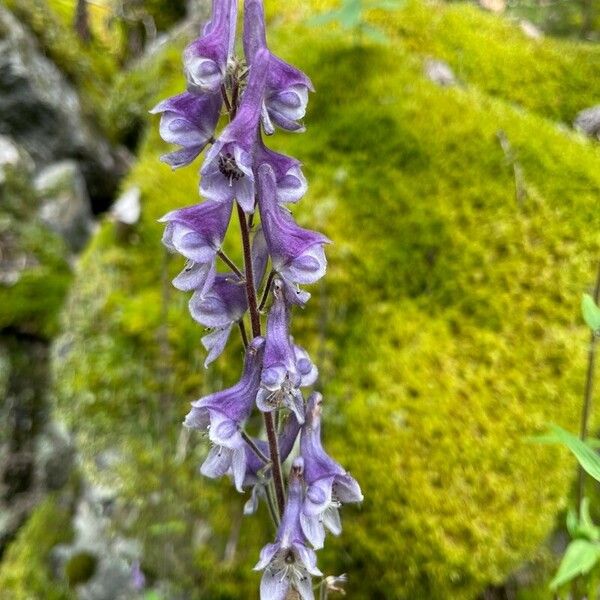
453	158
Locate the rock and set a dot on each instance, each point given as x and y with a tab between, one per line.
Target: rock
588	121
531	30
54	457
13	158
104	566
41	110
127	208
64	202
439	72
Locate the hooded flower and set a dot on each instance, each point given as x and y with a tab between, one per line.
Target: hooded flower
205	59
189	121
223	414
328	484
286	94
197	232
297	254
290	181
255	467
289	562
284	371
225	303
227	170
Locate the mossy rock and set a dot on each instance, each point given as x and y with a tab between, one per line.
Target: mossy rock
34	271
25	568
447	328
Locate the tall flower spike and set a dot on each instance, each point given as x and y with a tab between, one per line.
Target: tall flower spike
328	484
281	378
197	233
225	303
297	254
254	465
289	562
205	59
223	414
286	94
227	170
290	181
189	121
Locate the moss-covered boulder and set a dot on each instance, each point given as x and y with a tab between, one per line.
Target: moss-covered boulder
447	328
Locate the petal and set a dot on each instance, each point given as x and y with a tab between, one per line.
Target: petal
304	588
318	496
313	530
273	586
331	520
266	556
238	465
346	489
252	504
308	558
195	276
217	462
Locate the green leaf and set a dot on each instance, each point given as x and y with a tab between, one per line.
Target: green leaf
587	457
572	522
590	312
579	559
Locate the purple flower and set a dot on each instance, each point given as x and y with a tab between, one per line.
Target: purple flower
225	303
223	414
189	121
286	94
297	254
290	181
205	59
328	484
257	473
286	367
289	562
197	233
227	170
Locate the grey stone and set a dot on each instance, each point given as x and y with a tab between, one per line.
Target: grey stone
13	158
64	202
588	121
42	112
439	72
55	456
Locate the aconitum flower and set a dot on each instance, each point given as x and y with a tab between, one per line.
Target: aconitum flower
225	303
197	233
281	376
189	121
328	484
205	59
227	171
286	93
289	562
290	181
223	414
297	254
254	465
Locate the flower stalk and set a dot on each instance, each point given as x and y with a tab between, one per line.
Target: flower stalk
259	94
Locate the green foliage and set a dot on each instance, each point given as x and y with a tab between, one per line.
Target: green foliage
25	568
587	457
580	558
591	312
443	329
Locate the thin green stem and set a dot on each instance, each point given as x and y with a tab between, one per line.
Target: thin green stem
587	398
266	291
243	332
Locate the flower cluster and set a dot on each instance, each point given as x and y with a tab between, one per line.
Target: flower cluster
240	174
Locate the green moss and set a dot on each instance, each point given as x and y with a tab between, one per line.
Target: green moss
447	331
25	568
555	78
